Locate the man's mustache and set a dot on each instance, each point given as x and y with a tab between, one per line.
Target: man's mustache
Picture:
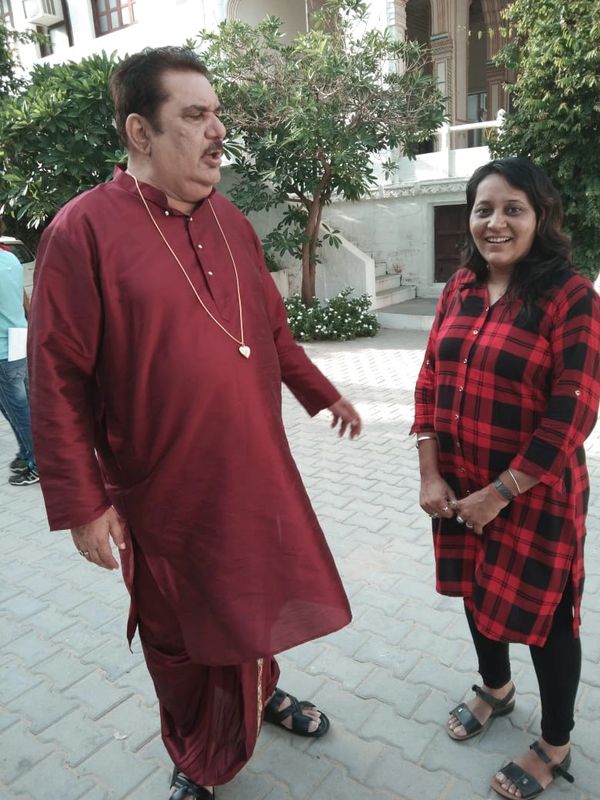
214	147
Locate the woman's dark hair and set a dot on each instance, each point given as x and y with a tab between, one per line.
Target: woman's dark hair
551	248
136	84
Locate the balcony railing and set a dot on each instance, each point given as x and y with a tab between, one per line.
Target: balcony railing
447	141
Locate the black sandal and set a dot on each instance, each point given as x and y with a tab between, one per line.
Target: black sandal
469	721
525	782
187	788
300	721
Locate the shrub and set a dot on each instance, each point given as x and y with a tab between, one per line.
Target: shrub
343	317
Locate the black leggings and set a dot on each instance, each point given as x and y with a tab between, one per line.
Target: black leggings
557	665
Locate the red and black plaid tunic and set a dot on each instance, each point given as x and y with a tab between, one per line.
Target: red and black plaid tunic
501	392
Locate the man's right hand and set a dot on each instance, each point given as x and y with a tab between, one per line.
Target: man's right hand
92	540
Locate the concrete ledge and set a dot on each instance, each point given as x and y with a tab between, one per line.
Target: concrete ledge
412	315
404	322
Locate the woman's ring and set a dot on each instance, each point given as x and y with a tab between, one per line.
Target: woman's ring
460	519
445	509
84	553
469	524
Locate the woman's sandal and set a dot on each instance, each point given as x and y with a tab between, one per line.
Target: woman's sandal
526	783
300	722
187	788
469	721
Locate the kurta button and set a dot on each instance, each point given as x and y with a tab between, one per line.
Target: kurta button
166	213
209	272
460	388
476	331
456	416
199	247
462	469
577	392
465	360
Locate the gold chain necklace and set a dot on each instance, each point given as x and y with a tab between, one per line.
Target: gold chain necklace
243	347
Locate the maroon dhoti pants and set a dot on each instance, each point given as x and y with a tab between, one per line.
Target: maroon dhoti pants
210	716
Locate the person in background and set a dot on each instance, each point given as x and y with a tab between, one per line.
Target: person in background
506	396
14	402
158	345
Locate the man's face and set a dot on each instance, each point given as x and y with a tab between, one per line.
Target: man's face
186	150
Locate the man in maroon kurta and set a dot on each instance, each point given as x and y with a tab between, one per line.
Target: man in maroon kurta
158	345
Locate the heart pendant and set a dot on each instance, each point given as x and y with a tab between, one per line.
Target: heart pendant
244	350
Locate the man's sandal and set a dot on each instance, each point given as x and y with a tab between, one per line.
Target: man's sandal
186	788
300	722
473	727
526	783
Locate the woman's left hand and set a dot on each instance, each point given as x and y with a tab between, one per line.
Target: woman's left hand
478	509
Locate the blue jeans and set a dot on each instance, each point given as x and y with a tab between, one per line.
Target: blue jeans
14	405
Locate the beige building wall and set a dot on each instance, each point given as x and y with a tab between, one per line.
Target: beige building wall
293	13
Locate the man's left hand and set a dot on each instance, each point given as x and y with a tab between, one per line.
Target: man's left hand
344	412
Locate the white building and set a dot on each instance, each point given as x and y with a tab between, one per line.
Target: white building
404	239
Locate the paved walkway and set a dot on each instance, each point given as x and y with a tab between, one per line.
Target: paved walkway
77	709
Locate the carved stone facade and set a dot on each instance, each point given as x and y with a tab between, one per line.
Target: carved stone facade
463	37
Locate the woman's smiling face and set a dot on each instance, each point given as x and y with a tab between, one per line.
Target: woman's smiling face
503	223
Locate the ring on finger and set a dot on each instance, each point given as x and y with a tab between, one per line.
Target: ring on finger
435	515
460	519
84	553
445	509
468	524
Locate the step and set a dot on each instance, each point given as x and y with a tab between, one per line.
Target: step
390	297
384	282
411	315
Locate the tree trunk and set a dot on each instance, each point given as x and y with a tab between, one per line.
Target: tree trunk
309	249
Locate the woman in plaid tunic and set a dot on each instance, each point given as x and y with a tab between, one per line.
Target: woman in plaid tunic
506	396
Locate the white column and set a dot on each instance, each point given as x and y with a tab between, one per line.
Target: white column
396	18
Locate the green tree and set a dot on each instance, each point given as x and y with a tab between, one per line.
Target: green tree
555	121
305	118
57	138
11	74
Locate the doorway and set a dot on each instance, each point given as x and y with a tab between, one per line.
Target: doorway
450	227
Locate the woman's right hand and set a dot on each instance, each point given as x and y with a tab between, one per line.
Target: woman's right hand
436	497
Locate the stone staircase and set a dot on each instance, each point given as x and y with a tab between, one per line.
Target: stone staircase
398	306
389	291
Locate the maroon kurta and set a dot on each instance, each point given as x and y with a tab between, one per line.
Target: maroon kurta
189	435
500	392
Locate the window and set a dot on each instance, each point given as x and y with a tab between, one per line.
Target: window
6	13
110	15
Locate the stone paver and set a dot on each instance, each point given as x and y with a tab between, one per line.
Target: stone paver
78	714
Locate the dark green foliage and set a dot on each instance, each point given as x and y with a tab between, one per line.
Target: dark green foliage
57	138
556	115
343	317
11	78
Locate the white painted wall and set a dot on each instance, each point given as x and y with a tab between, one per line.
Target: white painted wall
398	232
158	23
292	13
343	267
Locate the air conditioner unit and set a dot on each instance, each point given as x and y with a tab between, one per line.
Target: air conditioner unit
43	12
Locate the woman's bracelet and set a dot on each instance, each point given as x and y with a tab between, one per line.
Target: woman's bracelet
423	438
515	481
503	490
